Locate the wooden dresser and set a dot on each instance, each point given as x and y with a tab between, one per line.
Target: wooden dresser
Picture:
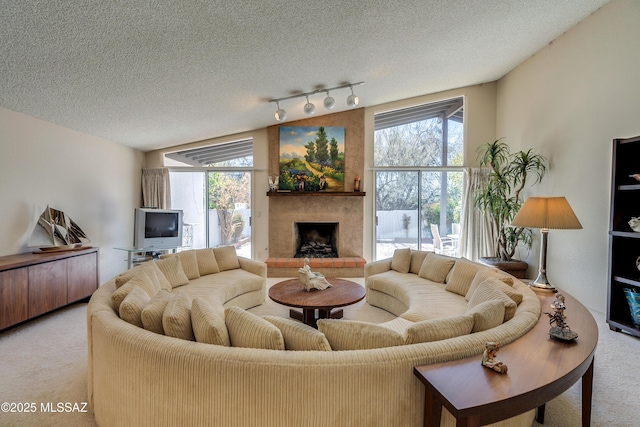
33	284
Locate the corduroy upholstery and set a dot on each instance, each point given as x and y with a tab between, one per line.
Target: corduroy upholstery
137	377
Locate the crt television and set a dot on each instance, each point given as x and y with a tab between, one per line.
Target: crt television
157	228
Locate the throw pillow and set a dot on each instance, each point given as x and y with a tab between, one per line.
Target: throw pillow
226	257
486	292
487	315
189	263
436	267
208	323
141	279
484	273
207	263
176	319
131	307
439	329
354	335
298	336
401	261
172	269
248	330
461	276
508	290
417	258
151	315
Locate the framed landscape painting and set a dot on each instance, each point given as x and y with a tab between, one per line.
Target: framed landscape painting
311	158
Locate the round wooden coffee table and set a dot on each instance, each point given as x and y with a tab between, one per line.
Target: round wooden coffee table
292	294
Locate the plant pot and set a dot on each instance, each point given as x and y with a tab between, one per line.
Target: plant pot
515	267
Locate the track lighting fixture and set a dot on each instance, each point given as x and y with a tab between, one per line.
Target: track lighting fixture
281	115
309	108
352	100
329	102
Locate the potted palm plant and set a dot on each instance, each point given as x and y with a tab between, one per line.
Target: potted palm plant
500	199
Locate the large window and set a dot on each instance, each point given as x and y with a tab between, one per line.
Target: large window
418	177
212	185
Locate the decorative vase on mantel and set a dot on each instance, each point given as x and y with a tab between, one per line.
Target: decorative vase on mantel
515	267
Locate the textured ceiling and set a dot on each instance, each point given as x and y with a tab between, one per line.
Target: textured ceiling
151	74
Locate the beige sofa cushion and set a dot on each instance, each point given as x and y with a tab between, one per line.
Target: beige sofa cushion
226	257
176	319
483	274
508	290
189	262
150	268
487	315
207	263
439	329
417	258
298	336
436	267
461	276
401	260
248	330
355	335
142	279
487	292
151	315
208	323
172	269
132	305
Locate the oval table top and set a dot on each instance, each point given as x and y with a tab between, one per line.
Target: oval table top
292	293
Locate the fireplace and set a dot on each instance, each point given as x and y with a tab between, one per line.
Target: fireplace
315	239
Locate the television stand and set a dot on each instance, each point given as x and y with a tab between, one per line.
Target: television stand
137	256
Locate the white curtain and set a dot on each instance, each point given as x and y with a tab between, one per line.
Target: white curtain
155	188
476	234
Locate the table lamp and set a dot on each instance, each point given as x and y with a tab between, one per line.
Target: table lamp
545	213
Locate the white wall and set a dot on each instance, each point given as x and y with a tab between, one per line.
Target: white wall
568	102
94	181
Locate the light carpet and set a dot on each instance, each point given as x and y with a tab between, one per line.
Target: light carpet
45	362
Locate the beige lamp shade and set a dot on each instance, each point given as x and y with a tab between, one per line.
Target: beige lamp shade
546	212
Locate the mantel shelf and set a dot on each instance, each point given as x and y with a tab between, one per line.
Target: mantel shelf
316	194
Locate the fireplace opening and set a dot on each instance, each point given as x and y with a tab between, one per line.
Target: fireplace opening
316	239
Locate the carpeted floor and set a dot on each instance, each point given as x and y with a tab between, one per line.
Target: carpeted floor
44	362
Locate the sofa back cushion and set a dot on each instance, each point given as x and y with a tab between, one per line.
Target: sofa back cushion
401	260
461	276
482	275
417	258
355	335
436	267
487	292
487	315
226	257
189	263
132	305
172	269
176	319
439	329
248	330
151	315
207	263
142	279
208	323
150	268
298	336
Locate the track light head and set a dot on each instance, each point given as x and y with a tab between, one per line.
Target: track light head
280	113
352	100
309	108
329	102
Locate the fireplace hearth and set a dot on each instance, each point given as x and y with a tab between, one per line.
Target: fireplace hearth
316	240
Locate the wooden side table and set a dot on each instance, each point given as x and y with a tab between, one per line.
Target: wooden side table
540	368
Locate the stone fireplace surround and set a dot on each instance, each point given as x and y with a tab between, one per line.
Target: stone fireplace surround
346	209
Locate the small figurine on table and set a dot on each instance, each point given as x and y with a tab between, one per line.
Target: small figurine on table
489	359
561	330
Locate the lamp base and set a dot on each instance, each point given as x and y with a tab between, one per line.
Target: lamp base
542	287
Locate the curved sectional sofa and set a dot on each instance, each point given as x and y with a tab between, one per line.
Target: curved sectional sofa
226	366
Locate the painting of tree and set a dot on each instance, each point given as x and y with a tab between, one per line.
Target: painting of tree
312	158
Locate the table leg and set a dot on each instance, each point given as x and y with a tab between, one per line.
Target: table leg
540	413
587	391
